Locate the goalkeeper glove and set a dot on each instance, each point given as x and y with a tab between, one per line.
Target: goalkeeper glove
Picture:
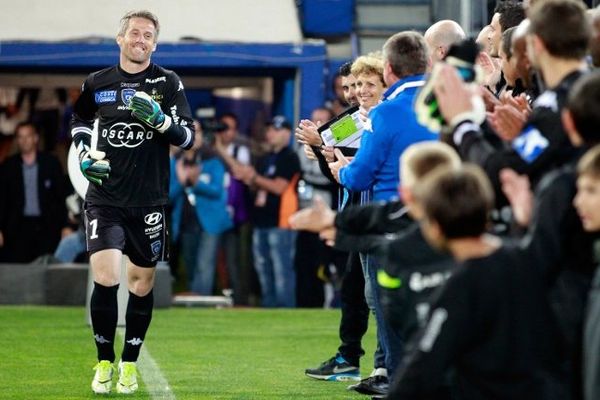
92	164
144	108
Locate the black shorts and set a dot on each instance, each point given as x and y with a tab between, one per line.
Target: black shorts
139	232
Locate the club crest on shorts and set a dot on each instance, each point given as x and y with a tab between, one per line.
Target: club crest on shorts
126	95
156	246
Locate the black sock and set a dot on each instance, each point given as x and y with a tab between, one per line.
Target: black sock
104	312
137	320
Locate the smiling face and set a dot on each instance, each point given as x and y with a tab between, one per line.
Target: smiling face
138	42
349	87
369	90
587	202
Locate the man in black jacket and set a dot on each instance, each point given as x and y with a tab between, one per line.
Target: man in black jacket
32	200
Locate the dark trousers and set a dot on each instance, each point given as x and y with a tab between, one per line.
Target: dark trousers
355	313
309	257
237	247
30	239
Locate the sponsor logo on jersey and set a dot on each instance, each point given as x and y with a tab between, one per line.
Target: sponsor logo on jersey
130	84
126	95
155	80
127	135
157	97
174	115
105	96
153	230
180	87
156	246
153	219
419	282
530	144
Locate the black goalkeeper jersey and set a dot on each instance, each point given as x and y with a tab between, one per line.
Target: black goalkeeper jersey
138	154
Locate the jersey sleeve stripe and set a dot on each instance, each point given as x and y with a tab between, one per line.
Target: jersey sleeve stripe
188	137
80	129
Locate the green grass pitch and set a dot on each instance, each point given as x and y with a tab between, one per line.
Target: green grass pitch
48	353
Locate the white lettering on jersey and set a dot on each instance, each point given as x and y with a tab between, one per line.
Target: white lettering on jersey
438	317
174	115
159	79
127	135
419	282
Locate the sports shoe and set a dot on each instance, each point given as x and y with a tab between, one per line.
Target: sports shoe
102	382
127	383
373	385
335	369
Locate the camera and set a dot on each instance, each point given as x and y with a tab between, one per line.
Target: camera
211	126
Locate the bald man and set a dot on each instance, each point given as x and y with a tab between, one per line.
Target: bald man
440	36
482	39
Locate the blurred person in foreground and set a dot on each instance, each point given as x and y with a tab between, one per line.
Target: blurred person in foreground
587	204
141	109
491	321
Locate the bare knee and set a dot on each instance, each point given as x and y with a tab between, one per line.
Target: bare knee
140	287
106	267
140	281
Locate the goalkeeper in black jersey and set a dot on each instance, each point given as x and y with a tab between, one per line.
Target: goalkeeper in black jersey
141	109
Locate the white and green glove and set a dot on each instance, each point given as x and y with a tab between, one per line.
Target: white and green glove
93	165
144	108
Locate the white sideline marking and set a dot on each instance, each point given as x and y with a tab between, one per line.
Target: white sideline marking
156	383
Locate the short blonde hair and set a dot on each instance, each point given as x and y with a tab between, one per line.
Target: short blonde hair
421	158
371	64
139	14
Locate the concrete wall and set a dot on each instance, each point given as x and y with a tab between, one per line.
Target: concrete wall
64	284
